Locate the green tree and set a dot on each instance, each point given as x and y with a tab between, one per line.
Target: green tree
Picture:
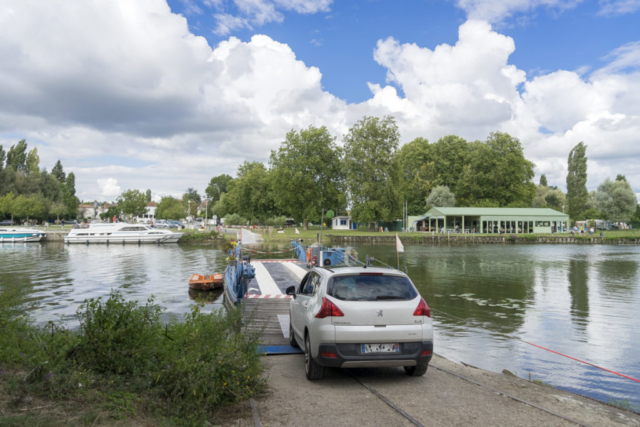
415	164
556	199
543	180
148	195
26	207
449	156
170	208
616	200
69	195
621	177
7	204
3	156
191	196
217	187
16	157
497	170
372	170
441	197
306	173
58	172
32	162
58	209
132	203
250	195
635	219
577	194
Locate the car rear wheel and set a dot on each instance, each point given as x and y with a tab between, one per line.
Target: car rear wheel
416	371
292	339
311	368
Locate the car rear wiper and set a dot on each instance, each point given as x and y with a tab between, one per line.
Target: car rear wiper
379	297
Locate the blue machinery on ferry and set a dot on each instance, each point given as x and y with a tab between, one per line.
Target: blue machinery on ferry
238	276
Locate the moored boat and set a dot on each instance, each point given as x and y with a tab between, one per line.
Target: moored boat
12	234
121	233
206	283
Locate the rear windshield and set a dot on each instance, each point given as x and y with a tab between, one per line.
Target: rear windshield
371	288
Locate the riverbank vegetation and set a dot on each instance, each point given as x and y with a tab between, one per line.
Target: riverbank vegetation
125	361
371	175
311	234
199	236
30	193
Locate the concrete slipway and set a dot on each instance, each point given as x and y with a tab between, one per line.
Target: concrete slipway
448	395
362	397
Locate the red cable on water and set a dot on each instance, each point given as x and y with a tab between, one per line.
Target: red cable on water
544	348
581	361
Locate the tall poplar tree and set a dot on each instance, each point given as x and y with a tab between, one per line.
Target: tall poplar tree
543	180
577	194
58	172
372	170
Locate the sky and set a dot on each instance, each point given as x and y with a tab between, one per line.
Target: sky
167	94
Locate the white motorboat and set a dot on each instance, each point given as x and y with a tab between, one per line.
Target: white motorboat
11	234
121	233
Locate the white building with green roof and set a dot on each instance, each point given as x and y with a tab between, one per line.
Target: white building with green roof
491	220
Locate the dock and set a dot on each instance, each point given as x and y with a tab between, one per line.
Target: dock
266	304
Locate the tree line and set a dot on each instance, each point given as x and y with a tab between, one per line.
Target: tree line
371	174
29	192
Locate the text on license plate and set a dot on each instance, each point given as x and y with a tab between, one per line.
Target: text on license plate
380	348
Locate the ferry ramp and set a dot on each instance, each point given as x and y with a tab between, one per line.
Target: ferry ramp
266	304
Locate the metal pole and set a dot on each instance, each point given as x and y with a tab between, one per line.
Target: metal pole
321	219
206	210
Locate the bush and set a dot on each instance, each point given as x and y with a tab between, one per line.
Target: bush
234	219
118	337
126	359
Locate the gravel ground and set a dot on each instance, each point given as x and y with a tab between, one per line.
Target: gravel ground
437	399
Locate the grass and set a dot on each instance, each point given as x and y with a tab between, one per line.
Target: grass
124	365
624	404
311	234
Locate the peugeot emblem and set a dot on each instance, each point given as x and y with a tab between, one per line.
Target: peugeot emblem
379	313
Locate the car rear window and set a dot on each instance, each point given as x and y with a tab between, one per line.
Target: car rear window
363	287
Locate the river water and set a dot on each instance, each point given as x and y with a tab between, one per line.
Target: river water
576	299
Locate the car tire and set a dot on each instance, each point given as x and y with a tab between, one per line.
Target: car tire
292	338
311	368
416	371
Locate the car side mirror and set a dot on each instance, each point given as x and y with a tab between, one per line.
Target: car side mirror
291	290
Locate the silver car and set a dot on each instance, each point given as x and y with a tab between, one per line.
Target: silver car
355	317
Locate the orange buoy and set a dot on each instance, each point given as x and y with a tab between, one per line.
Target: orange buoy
206	283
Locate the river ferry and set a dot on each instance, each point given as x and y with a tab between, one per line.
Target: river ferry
121	233
10	234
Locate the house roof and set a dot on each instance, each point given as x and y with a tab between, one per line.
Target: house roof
152	204
496	212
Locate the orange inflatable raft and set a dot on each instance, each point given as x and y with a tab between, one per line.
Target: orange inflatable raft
206	283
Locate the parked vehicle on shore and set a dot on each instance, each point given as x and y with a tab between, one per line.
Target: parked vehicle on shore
355	317
6	222
121	233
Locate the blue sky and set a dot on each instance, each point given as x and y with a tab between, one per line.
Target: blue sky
165	94
546	39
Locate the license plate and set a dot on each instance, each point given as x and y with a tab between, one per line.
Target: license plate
380	348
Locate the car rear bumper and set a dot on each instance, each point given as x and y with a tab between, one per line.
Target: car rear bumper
349	356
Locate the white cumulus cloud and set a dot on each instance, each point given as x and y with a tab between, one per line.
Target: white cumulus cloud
109	188
125	94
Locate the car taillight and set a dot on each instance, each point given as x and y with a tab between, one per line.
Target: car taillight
329	355
423	309
329	309
426	353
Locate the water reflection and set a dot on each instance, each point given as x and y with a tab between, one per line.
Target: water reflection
578	276
579	300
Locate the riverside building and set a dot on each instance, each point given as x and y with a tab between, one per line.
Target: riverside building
491	220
